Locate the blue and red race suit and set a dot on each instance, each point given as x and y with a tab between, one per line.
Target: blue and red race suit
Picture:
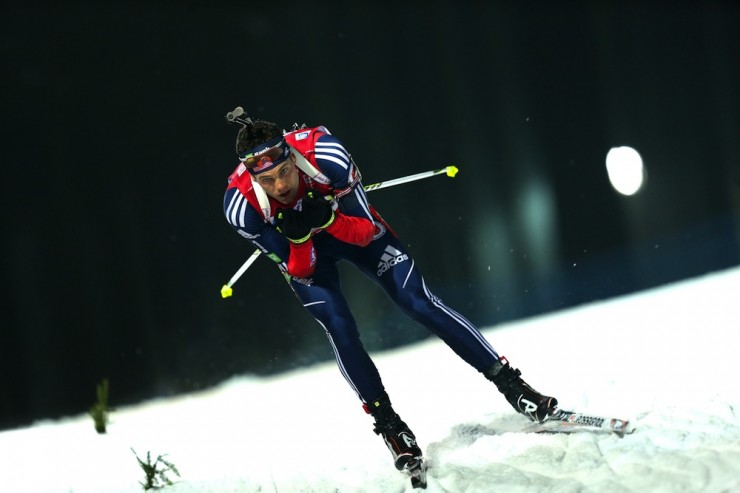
358	235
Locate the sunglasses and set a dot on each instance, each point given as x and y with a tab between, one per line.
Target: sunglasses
269	154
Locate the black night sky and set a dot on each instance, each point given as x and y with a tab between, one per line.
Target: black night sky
115	155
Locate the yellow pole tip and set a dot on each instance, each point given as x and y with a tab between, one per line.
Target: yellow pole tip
226	291
452	171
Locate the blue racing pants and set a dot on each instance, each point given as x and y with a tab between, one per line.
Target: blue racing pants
387	262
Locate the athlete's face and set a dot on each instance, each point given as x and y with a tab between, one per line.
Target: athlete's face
281	182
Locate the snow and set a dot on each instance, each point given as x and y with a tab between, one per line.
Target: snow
666	359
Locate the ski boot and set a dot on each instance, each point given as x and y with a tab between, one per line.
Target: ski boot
520	395
399	439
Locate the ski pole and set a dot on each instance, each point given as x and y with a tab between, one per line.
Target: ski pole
451	171
226	290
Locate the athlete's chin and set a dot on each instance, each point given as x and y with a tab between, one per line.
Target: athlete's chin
285	198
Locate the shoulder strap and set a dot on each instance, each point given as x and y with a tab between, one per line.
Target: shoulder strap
262	199
302	142
312	171
254	193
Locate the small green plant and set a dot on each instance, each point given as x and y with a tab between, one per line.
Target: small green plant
100	410
156	472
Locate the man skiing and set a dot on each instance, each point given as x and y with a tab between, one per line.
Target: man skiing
298	197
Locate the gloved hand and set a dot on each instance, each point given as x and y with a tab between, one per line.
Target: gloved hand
316	212
292	225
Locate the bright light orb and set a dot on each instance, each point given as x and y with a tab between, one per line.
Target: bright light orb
625	169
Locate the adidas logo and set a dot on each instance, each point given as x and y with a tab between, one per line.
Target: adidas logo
390	257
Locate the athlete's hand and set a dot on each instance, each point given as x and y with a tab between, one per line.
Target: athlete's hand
316	210
292	225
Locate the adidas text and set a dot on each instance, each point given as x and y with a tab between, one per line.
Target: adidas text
390	258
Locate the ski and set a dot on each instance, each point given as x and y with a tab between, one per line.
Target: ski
570	421
418	472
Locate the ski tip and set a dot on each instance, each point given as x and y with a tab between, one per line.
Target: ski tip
452	171
623	428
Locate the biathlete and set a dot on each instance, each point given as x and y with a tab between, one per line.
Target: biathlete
298	197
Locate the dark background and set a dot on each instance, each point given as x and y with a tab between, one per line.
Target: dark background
115	155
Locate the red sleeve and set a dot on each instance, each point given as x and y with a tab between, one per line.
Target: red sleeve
350	229
302	259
